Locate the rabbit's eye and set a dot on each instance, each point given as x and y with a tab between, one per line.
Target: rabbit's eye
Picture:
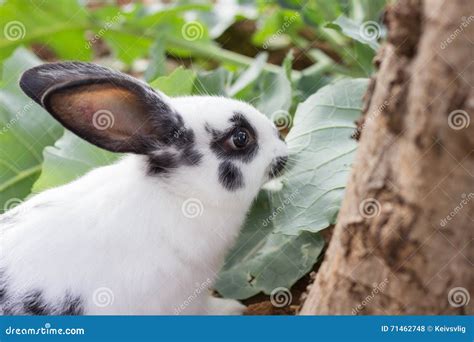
240	138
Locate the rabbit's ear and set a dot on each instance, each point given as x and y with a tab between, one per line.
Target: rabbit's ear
107	108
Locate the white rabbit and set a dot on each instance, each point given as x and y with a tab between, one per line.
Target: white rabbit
147	235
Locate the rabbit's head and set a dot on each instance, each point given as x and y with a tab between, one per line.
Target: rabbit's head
212	148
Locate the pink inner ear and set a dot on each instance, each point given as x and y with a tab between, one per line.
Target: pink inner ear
116	112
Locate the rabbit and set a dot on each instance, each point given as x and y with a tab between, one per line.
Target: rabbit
148	234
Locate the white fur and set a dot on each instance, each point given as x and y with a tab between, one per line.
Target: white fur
124	235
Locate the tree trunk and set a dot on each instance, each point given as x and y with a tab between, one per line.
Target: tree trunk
403	241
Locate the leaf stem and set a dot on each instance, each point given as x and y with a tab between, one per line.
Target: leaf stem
21	176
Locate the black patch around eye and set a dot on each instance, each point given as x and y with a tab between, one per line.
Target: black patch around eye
230	176
219	139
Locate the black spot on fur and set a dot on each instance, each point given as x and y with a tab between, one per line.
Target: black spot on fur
219	140
33	304
18	301
176	149
3	286
230	176
191	156
162	162
72	306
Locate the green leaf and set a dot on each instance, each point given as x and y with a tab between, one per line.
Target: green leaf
363	10
317	12
365	33
223	14
263	260
179	83
127	46
25	129
275	29
70	158
249	75
215	82
275	93
59	24
321	152
308	84
157	66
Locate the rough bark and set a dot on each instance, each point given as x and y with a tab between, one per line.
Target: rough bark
393	250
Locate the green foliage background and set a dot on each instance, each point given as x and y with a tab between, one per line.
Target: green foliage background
181	46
